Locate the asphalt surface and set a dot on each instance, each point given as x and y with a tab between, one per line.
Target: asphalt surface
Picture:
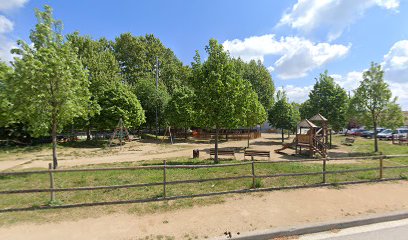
395	230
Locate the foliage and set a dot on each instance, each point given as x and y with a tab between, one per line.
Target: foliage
281	115
119	102
260	78
372	97
49	85
295	116
152	99
393	117
137	59
180	109
5	105
328	99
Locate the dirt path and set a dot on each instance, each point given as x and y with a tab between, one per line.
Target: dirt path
241	213
139	151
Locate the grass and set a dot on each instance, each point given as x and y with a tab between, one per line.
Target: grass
82	179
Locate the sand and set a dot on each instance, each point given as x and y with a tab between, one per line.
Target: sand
240	213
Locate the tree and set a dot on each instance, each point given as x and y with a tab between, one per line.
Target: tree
328	99
119	102
372	97
281	115
103	74
393	117
180	109
254	111
295	116
219	89
5	105
137	59
152	100
50	85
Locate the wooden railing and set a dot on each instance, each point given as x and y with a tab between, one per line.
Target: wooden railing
251	175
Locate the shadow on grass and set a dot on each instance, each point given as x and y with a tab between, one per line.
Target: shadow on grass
86	144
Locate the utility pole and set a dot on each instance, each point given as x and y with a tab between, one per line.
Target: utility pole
157	94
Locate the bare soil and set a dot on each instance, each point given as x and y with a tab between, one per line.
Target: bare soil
240	213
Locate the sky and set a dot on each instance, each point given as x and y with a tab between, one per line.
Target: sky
295	39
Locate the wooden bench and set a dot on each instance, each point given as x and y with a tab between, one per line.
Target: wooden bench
222	152
348	141
253	153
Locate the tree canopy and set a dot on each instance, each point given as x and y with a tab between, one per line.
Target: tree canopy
282	114
328	99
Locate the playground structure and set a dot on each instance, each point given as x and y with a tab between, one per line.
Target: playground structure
121	133
312	134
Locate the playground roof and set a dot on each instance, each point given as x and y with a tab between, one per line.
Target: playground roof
306	124
318	117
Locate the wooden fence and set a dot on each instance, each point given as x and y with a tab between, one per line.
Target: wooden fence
252	175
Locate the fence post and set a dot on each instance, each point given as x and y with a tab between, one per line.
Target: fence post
253	174
381	167
164	178
324	170
51	182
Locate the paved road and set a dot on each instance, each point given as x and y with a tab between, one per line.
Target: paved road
395	230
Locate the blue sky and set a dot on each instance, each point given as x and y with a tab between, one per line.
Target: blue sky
296	39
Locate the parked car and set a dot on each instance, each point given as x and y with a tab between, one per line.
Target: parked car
367	134
386	134
401	132
355	132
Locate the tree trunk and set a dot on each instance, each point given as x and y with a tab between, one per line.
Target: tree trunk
185	133
375	136
249	133
88	132
288	134
216	146
283	135
54	143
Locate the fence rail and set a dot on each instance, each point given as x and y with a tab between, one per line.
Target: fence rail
52	189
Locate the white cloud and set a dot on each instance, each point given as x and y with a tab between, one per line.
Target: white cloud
297	94
395	66
349	82
333	16
5	25
395	62
298	56
6	5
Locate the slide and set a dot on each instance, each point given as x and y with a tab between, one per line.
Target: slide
286	145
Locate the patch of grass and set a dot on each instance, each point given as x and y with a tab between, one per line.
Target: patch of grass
105	178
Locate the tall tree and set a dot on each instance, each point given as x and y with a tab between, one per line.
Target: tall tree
50	84
372	97
152	100
219	90
261	80
137	59
180	109
328	99
281	115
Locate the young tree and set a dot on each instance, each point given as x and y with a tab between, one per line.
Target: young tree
254	111
180	109
328	99
372	97
50	84
281	115
393	117
218	90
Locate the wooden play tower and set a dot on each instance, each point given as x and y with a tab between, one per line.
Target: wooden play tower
312	135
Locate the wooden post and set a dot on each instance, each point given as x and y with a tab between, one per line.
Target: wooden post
164	178
253	172
324	170
381	167
51	182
